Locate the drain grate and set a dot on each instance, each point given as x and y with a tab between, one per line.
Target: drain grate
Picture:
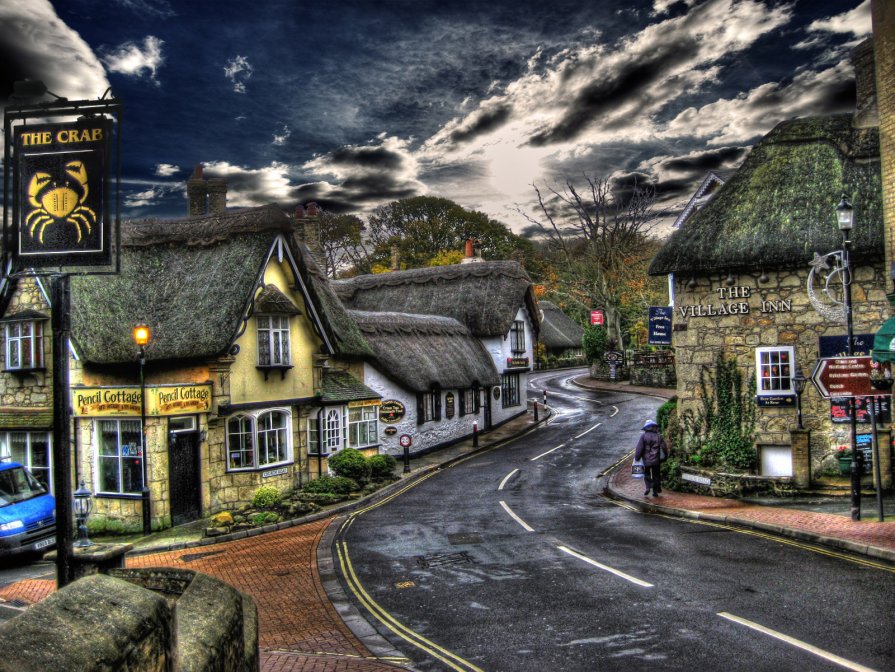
465	538
190	557
442	559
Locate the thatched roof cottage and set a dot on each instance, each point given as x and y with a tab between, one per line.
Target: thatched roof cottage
742	269
559	333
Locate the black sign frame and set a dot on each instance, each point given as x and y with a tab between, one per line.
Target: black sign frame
53	151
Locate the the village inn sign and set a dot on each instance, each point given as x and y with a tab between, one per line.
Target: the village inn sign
736	300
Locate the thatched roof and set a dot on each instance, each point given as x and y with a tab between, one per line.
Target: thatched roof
192	281
780	207
420	350
340	387
485	296
558	330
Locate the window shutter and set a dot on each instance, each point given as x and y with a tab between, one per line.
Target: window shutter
462	395
420	409
436	400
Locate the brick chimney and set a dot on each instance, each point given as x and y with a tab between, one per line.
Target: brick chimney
217	195
197	193
308	225
472	252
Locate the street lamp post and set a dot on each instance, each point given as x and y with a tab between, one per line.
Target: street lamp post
83	504
141	338
845	216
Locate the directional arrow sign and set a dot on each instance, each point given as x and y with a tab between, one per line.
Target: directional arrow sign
843	377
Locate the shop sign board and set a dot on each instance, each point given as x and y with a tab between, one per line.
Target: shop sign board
614	357
391	411
659	332
839	412
837	346
597	318
125	401
843	377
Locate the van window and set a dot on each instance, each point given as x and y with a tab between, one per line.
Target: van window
17	485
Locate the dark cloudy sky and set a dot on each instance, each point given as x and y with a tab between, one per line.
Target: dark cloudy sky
357	103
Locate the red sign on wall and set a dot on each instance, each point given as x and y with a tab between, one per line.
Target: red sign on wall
596	317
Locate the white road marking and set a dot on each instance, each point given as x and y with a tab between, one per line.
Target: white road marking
571	396
614	412
588	430
506	508
607	568
562	445
508	477
826	655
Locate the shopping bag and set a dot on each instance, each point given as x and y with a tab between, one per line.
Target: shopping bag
637	469
663	455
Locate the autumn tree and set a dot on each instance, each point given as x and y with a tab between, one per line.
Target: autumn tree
342	244
599	246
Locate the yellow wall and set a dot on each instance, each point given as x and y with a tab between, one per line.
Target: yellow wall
247	383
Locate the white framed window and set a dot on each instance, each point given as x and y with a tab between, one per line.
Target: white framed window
332	430
509	389
428	406
119	457
24	345
517	337
273	340
363	426
32	449
259	440
774	368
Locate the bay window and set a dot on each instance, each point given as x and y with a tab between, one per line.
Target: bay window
273	340
259	440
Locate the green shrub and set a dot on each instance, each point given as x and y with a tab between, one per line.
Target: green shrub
382	467
595	342
264	518
332	484
320	498
266	497
350	463
663	412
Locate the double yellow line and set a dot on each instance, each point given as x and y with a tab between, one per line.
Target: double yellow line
452	660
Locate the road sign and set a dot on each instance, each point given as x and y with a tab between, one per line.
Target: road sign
405	440
843	377
596	317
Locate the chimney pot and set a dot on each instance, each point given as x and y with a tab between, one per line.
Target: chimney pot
312	209
299	212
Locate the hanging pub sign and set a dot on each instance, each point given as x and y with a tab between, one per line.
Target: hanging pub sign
837	346
659	332
61	208
391	411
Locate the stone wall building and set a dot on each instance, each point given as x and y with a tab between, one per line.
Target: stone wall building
741	269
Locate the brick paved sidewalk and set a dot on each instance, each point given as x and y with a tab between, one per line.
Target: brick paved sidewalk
868	537
299	630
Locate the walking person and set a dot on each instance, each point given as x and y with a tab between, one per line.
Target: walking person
652	450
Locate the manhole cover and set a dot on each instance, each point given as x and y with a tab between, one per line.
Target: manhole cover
441	559
464	538
190	557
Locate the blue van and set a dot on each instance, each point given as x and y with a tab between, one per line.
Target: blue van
27	512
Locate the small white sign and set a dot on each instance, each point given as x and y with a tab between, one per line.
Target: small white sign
702	480
275	472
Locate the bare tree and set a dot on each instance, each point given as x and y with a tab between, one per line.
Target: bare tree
599	240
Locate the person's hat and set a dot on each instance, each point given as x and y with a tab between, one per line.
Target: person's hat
649	423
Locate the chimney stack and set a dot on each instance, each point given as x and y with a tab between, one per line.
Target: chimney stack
217	195
308	217
197	193
472	252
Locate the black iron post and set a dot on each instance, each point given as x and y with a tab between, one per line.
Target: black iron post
857	463
536	410
62	429
877	474
475	433
144	493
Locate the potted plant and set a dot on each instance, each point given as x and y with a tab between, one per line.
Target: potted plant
843	456
880	377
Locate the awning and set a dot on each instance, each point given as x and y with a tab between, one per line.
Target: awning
884	342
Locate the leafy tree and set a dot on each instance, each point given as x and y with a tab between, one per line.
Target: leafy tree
341	240
595	342
425	228
599	246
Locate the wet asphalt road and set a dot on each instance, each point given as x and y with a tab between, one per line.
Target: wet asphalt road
512	560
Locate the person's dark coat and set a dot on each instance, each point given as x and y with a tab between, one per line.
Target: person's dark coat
650	445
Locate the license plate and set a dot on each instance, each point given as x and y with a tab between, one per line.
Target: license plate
43	543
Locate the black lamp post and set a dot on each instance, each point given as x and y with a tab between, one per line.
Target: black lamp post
141	338
83	505
798	383
845	217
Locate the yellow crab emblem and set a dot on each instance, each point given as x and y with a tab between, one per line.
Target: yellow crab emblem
58	203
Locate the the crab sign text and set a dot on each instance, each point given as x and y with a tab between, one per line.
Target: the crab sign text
63	137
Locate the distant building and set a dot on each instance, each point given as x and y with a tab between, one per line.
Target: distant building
560	334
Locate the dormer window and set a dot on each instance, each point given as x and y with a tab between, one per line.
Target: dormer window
25	341
273	340
274	311
517	337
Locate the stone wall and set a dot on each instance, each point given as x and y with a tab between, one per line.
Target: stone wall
883	12
33	390
775	312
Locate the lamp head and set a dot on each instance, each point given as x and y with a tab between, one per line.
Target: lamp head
845	215
141	335
82	500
